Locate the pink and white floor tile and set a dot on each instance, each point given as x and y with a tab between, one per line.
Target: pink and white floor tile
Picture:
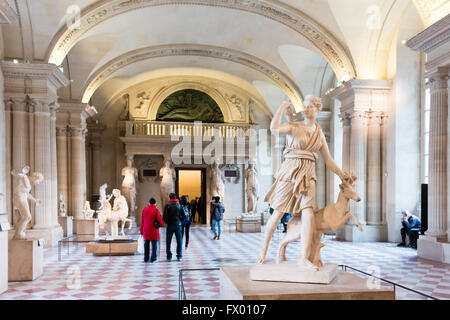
83	276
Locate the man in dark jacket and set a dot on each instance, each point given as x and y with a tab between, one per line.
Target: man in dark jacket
216	211
172	217
410	224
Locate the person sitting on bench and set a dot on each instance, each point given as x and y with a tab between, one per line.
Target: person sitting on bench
411	225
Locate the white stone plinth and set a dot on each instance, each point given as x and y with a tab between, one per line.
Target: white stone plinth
25	259
50	235
67	225
85	226
290	271
3	261
248	224
371	233
235	284
433	248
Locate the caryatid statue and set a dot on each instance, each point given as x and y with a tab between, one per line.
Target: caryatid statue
21	195
252	188
129	184
167	183
217	183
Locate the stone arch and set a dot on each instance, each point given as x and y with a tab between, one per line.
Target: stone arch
100	11
161	95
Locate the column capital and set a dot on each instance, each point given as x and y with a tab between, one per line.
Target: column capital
439	78
38	80
61	131
363	94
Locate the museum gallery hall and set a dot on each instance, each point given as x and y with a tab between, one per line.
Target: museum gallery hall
224	150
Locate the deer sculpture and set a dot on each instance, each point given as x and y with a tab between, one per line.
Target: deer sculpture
330	218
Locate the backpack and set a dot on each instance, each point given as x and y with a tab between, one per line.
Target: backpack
184	214
218	211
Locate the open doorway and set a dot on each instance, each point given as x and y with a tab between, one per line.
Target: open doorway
191	182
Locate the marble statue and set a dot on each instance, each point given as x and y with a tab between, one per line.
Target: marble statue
119	212
293	191
129	184
62	206
167	183
252	189
21	195
330	218
88	213
217	182
104	212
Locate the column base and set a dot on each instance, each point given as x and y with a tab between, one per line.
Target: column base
3	261
370	233
25	259
248	224
67	225
433	248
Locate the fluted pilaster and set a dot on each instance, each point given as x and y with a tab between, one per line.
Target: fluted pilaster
437	199
374	211
62	163
78	171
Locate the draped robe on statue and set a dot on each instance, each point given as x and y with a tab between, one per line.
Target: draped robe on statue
294	189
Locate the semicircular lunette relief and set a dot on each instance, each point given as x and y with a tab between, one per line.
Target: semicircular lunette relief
189	105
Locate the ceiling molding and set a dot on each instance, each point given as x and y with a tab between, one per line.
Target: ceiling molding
271	72
7	14
339	59
432	37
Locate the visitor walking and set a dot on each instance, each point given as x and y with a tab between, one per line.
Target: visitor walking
186	222
411	225
172	217
193	209
216	211
149	231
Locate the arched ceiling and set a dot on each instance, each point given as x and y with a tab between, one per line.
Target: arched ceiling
305	43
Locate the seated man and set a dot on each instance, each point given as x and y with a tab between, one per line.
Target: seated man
411	225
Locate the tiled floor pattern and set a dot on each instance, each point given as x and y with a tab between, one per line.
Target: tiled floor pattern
127	277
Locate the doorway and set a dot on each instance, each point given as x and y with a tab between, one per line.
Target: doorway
191	182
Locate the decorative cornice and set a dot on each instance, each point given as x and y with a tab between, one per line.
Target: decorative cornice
7	14
276	75
349	87
33	71
432	37
103	10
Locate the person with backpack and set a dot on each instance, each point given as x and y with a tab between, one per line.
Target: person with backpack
216	211
150	222
172	217
186	223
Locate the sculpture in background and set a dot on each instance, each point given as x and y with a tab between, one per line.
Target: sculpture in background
252	189
167	183
330	218
88	213
21	195
104	213
62	206
129	184
217	181
119	212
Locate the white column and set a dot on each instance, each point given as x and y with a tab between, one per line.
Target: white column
62	163
77	172
437	185
54	164
373	168
43	218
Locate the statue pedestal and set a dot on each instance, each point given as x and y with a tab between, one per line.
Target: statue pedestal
235	284
25	259
4	227
67	225
85	226
248	224
290	271
112	248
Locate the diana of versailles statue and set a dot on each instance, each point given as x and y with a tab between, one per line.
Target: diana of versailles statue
294	190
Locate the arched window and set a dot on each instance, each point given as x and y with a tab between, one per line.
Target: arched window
190	105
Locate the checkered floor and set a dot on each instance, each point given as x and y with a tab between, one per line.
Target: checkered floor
83	276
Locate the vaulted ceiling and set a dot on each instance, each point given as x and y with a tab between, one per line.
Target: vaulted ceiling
273	48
